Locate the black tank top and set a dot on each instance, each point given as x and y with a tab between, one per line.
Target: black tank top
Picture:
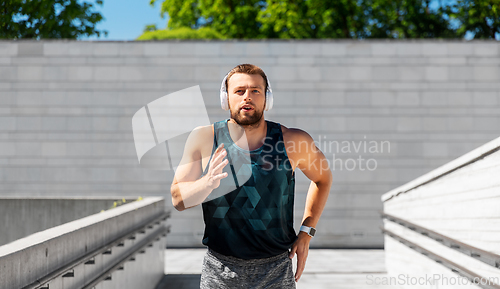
255	220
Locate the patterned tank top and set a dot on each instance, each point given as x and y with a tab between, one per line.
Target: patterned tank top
255	220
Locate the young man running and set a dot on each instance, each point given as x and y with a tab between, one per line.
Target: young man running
248	205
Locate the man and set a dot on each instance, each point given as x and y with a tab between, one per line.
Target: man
249	229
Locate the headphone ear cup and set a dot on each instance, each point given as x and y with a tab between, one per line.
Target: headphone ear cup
224	100
269	96
269	100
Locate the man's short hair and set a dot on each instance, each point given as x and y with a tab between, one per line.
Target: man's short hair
247	69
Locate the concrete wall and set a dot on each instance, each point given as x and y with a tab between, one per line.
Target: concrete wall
459	200
23	217
66	110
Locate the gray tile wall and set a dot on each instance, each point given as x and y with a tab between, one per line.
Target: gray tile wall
66	110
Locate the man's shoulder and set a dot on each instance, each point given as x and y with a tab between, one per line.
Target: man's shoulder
201	136
294	134
203	130
207	128
297	143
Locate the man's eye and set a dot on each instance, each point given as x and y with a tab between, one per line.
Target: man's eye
256	91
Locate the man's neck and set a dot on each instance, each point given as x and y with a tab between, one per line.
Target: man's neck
255	134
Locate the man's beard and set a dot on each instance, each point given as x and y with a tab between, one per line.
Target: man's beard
249	119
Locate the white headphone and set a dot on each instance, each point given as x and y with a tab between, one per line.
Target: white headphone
224	99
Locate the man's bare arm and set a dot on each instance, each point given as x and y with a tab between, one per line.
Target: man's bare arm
315	166
311	161
188	189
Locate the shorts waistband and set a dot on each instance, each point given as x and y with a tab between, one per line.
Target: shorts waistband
244	262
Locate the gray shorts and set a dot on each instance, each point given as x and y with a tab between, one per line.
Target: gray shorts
225	272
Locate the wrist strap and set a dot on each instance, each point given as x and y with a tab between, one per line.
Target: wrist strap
309	230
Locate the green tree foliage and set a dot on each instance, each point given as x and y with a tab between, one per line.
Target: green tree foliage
337	19
408	19
313	19
181	33
37	19
235	19
480	17
181	13
285	19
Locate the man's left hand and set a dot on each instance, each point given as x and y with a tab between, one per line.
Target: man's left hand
301	247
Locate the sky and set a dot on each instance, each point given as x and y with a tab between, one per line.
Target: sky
126	19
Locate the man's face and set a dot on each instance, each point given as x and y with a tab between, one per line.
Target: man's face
247	98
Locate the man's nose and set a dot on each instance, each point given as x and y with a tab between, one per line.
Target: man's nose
247	95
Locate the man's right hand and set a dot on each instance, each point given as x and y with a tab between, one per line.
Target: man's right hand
215	167
189	188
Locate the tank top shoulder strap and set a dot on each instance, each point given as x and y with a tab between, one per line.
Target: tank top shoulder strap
220	132
219	125
218	129
276	136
